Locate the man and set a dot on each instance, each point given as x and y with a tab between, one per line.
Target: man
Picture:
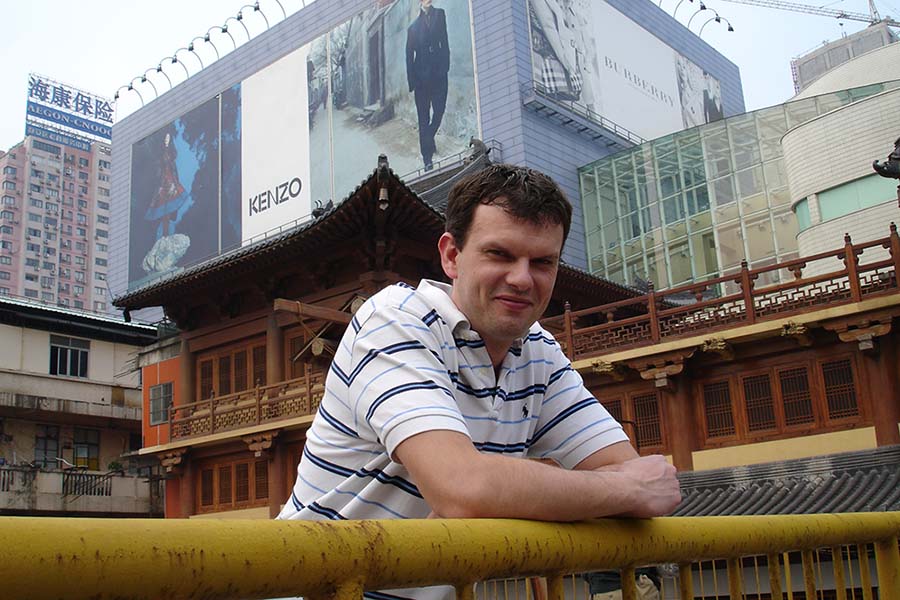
427	65
437	393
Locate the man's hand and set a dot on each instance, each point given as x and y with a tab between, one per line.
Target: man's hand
657	491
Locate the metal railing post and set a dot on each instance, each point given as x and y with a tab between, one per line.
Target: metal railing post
887	561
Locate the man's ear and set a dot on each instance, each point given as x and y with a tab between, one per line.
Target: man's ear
449	253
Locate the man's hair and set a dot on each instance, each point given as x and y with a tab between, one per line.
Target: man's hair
523	193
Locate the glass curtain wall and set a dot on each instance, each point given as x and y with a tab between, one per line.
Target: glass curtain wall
692	205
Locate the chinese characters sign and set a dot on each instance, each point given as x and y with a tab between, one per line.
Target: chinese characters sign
59	105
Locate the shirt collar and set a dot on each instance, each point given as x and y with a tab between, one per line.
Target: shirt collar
438	294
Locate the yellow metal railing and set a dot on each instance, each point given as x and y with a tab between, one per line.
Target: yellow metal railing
98	558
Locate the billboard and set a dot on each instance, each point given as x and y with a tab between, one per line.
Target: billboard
587	52
396	79
68	109
180	214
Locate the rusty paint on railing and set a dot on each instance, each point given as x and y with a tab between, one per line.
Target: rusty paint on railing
100	558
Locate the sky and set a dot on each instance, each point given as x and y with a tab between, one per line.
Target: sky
102	45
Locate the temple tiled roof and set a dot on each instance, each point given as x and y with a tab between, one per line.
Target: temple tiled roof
864	481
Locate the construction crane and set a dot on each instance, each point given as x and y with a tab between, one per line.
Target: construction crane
873	17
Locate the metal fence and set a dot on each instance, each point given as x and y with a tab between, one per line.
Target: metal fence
804	556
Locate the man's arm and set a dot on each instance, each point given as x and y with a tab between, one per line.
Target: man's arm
457	481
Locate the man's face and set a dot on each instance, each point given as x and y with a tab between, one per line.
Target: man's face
426	4
503	278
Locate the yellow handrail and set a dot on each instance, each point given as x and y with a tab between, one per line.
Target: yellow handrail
134	558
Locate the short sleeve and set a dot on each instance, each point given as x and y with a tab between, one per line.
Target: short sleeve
572	424
398	383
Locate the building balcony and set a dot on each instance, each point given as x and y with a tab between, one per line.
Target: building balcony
25	490
71	396
258	406
795	292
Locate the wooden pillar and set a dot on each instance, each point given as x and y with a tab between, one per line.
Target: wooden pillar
883	391
278	491
188	490
187	364
680	420
274	351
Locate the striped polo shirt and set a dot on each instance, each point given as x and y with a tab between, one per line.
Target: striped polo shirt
409	363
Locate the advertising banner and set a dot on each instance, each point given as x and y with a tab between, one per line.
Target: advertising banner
68	109
397	79
275	128
587	52
175	195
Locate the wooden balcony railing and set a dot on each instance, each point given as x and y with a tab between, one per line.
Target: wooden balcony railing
262	404
850	274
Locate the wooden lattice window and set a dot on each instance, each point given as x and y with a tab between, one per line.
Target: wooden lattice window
206	487
259	365
717	408
206	379
759	403
297	365
224	375
646	420
795	396
230	484
614	408
242	482
225	485
840	390
262	479
240	371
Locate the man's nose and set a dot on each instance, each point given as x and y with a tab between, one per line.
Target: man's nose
519	275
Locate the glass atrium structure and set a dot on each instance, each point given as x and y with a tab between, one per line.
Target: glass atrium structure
692	205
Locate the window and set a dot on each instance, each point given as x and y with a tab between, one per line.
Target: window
101	247
6	215
233	484
103	192
160	401
102	219
99	306
83	162
69	356
9	185
104	164
31	293
102	177
39	145
840	391
4	276
100	292
87	448
9	201
8	170
230	371
102	233
5	260
34	187
647	422
717	410
102	204
37	203
46	445
35	218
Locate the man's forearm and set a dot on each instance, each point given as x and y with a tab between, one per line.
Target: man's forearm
457	481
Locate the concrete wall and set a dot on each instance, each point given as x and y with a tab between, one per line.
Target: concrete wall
42	491
801	447
28	351
20	448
